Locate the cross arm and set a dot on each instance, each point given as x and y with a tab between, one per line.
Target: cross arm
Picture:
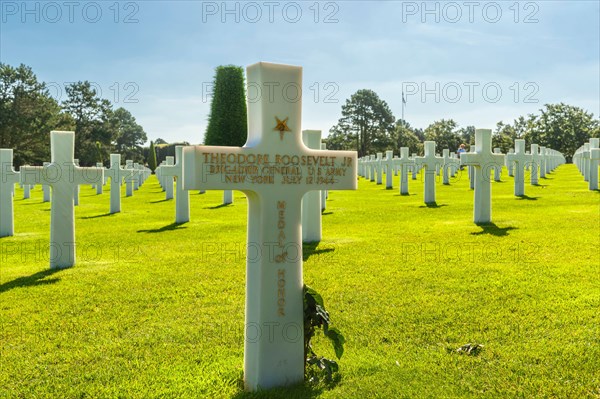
232	168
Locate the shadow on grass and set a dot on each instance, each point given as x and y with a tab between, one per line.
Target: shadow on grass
162	200
310	248
169	227
305	390
34	203
404	195
217	206
97	216
539	185
326	213
493	229
432	205
527	197
30	281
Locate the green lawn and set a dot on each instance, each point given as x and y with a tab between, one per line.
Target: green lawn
157	309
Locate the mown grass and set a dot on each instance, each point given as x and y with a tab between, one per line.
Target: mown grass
156	310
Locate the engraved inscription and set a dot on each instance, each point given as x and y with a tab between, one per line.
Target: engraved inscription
277	168
281	292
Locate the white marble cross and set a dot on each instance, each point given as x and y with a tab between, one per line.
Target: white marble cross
372	168
274	169
497	169
415	168
586	162
46	188
449	163
389	169
323	192
509	165
379	166
311	203
76	188
182	197
471	170
542	164
483	160
62	175
594	158
100	186
430	162
26	191
535	163
116	174
130	178
168	180
406	163
519	160
7	187
136	177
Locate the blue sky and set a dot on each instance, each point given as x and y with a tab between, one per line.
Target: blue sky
475	62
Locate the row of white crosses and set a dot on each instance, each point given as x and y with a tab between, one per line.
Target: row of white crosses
447	165
587	159
58	173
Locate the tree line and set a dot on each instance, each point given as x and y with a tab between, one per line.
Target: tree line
368	126
28	113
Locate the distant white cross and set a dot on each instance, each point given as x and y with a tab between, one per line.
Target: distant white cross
430	162
182	197
7	187
483	161
62	175
519	160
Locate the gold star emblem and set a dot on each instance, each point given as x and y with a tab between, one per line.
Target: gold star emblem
282	127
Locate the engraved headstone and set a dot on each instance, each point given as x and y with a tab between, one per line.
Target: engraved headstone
275	170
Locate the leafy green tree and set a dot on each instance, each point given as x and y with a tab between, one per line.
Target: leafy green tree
404	136
152	157
128	135
504	137
467	135
92	116
27	115
160	141
367	122
445	134
228	121
562	127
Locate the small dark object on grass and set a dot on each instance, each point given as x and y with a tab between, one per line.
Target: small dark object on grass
470	349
